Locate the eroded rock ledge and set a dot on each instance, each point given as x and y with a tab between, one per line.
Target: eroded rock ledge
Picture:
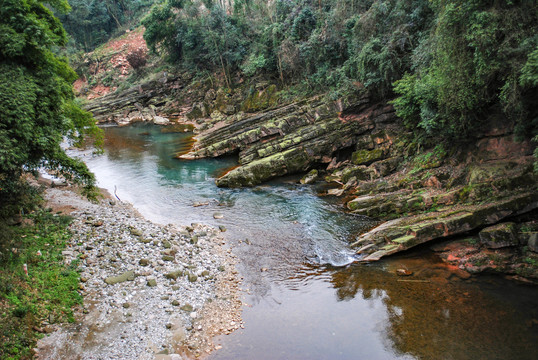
292	139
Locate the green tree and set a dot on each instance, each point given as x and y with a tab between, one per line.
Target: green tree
37	106
479	49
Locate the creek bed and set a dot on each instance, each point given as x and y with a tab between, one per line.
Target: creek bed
305	299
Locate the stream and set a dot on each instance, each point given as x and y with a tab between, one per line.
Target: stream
304	296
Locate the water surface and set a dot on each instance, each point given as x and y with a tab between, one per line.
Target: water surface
305	297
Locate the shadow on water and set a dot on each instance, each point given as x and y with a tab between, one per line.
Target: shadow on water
300	308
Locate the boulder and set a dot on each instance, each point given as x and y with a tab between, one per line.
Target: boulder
310	177
126	276
499	236
366	157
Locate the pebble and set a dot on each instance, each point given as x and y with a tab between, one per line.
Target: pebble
138	245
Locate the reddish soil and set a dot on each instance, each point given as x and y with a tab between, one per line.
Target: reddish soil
115	51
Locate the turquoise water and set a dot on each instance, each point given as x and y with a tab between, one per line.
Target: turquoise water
305	298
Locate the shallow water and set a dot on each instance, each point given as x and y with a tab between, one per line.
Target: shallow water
302	301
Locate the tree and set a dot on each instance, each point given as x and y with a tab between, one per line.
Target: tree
37	105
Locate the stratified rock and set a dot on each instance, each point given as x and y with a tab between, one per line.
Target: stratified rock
406	232
290	139
366	157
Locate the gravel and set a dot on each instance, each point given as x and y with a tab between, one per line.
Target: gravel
150	291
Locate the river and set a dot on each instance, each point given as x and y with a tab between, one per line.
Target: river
304	296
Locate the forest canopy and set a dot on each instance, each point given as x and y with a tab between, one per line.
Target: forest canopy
446	63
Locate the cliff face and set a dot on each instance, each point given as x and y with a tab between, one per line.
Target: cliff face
484	190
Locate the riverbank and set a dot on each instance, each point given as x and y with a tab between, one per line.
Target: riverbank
150	291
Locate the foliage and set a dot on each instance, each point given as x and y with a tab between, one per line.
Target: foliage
92	22
49	292
479	61
137	58
37	106
448	62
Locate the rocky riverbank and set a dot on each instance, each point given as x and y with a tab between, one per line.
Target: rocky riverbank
365	155
150	291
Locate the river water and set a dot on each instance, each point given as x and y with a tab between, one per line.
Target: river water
304	297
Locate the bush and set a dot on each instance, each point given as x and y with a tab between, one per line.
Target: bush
137	58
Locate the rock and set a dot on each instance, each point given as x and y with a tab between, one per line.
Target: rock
366	157
498	236
175	302
403	272
218	215
310	177
222	228
287	140
335	192
135	232
152	282
143	262
533	242
360	172
126	276
387	166
159	120
168	258
187	307
169	252
126	305
192	278
167	244
174	274
403	233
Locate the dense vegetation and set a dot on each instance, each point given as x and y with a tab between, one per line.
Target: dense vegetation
93	22
447	63
46	295
37	106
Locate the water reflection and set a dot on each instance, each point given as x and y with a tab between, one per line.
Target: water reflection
434	319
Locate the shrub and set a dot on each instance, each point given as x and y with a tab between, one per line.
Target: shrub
137	58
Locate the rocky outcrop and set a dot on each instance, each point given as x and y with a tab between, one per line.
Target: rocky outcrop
406	232
145	102
291	139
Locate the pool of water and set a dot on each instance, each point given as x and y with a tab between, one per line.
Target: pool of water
305	297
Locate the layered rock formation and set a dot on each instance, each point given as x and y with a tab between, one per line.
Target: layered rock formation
145	102
291	139
368	157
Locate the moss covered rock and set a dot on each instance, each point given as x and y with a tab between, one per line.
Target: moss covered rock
260	100
366	157
310	177
500	235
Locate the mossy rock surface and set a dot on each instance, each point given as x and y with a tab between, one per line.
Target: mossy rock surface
410	231
499	236
260	100
366	157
